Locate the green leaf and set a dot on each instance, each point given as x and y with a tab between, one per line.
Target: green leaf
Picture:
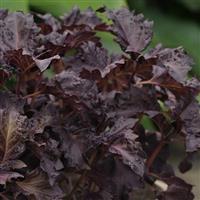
147	123
15	5
107	40
198	98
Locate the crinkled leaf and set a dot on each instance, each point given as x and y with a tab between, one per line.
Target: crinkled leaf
13	165
3	13
177	189
116	76
44	64
18	31
36	183
51	165
6	176
132	102
130	157
12	129
176	60
51	21
120	129
120	179
191	126
133	32
26	62
77	17
92	57
164	80
39	120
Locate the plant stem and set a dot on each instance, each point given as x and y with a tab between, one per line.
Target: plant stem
32	95
158	148
155	153
82	177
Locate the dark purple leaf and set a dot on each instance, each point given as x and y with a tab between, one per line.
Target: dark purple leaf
36	184
133	32
177	189
3	13
191	126
51	21
18	31
12	126
75	120
8	177
77	17
26	62
120	179
186	164
175	60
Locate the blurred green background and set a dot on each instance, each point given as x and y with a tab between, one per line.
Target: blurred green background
176	23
